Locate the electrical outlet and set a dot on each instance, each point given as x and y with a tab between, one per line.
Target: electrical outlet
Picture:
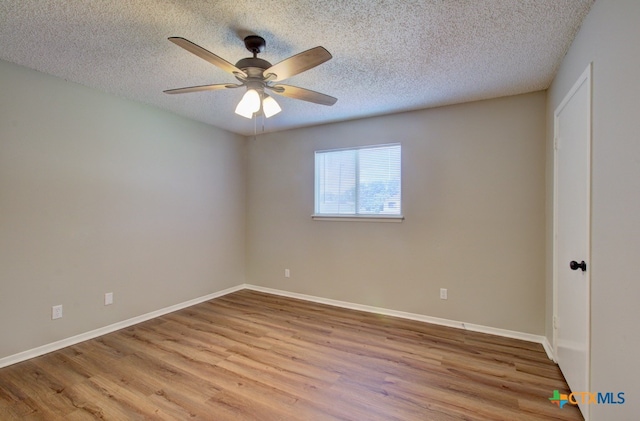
287	273
108	298
56	312
443	293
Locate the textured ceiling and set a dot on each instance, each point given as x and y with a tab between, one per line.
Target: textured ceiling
388	55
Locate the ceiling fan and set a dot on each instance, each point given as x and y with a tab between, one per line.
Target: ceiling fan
258	76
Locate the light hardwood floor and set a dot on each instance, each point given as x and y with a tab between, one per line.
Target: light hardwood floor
255	356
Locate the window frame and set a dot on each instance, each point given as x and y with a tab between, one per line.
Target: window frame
355	216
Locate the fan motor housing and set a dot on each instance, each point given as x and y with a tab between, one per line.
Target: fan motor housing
249	62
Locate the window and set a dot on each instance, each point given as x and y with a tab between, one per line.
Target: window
360	182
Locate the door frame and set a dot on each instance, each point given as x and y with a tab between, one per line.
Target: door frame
585	77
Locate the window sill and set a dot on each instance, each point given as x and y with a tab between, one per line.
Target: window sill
358	218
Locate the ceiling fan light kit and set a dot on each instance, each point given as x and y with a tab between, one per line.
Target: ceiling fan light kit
258	75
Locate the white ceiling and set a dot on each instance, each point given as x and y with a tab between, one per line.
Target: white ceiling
388	55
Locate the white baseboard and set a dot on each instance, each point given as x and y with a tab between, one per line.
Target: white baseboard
549	349
413	316
54	346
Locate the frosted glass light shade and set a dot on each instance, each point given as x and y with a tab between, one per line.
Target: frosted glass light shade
270	107
249	104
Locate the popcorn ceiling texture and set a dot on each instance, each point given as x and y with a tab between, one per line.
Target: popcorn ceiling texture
388	55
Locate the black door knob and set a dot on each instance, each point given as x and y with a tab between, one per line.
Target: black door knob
575	265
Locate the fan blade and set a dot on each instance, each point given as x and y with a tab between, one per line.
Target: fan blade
207	55
201	88
303	94
297	64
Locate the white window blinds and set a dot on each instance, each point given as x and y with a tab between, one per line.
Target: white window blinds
363	181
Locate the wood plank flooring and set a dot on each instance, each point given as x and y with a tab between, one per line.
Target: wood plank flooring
255	356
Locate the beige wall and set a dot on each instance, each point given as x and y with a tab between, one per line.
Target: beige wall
609	38
473	198
99	194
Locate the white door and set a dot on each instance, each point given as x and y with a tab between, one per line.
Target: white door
572	234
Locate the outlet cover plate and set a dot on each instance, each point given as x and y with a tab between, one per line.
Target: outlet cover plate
56	312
